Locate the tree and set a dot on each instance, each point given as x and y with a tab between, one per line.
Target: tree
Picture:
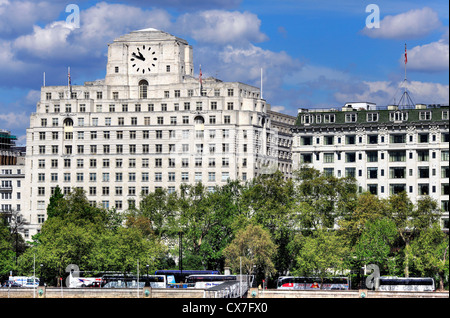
57	204
7	254
251	247
375	242
321	254
329	197
411	220
60	244
160	208
430	253
120	251
270	202
368	208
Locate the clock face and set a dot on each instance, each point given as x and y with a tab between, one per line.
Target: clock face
143	59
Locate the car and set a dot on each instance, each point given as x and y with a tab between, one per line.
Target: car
11	284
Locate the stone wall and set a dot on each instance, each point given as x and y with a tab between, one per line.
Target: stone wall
199	293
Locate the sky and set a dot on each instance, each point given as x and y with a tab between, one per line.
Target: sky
314	53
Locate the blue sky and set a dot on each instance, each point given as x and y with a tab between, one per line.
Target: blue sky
315	53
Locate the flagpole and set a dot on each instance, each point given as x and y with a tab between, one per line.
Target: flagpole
261	83
406	61
200	84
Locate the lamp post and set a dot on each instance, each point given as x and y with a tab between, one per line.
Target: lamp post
41	280
180	264
147	283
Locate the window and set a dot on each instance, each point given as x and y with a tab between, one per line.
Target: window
423	172
397	188
425	115
351	118
328	157
328	119
397	173
225	176
398	116
350	172
424	189
372	156
143	88
395	156
423	155
350	157
306	140
372	173
398	138
350	139
372	117
328	140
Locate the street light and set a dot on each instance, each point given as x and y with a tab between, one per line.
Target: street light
181	252
41	280
147	283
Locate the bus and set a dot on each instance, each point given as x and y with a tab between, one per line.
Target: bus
313	283
25	281
131	281
416	284
81	282
177	278
207	281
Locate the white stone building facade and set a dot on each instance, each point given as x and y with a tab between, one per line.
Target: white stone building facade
150	123
387	149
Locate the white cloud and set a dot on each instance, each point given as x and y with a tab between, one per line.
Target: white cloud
17	17
46	42
221	27
99	25
383	93
430	57
408	25
14	120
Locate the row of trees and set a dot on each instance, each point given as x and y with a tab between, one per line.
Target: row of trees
312	224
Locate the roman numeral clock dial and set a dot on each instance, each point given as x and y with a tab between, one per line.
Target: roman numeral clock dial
143	59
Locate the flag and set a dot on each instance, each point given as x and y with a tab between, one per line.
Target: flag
406	56
201	75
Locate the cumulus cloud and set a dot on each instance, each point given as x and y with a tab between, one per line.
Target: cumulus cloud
99	25
221	27
409	25
13	120
18	17
384	92
431	57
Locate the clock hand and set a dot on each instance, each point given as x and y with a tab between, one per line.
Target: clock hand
140	57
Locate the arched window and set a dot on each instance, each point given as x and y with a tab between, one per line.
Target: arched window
68	122
199	120
143	86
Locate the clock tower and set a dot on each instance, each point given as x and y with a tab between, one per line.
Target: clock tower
148	55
